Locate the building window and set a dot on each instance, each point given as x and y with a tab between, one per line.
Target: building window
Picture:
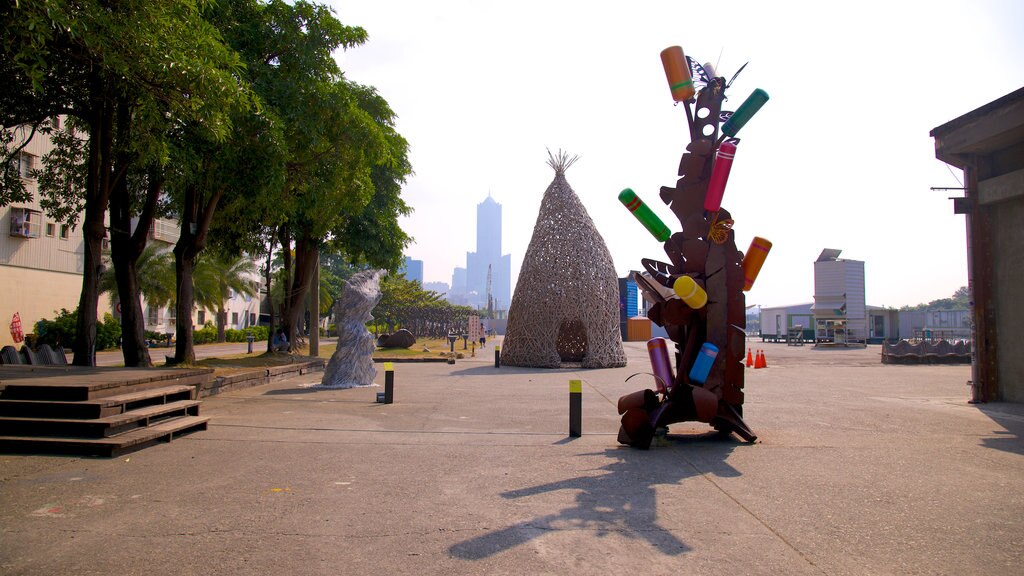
201	317
51	229
25	164
172	314
252	319
234	318
65	231
152	316
26	223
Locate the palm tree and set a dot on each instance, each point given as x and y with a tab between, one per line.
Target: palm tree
156	278
216	276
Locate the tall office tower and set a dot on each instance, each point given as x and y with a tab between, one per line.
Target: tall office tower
457	293
458	281
488	255
413	269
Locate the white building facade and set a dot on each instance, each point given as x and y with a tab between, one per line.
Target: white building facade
840	311
42	261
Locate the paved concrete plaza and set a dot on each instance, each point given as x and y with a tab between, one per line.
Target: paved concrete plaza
860	468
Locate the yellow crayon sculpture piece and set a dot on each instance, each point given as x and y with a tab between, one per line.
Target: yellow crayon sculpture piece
690	292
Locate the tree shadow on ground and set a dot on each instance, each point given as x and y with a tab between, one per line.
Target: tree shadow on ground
621	501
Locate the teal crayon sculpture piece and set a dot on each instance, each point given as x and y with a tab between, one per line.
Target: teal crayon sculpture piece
649	219
745	112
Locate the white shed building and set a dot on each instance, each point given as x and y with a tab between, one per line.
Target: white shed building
840	312
780	322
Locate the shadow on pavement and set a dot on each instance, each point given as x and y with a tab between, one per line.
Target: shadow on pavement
1011	418
490	370
622	500
287	391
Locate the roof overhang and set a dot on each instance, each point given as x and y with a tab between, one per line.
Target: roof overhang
993	127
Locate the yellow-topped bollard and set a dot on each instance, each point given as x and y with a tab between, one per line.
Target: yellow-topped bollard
389	383
575	408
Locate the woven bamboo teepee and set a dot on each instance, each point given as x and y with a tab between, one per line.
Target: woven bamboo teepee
566	304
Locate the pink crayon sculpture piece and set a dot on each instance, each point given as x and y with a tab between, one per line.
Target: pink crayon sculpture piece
719	176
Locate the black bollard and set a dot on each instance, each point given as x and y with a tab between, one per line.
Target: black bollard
575	408
389	383
497	356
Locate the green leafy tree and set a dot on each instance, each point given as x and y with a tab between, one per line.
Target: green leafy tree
103	62
337	133
959	301
216	277
226	193
405	304
155	268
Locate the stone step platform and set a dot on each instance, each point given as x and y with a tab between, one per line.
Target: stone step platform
69	384
106	427
97	408
97	411
109	447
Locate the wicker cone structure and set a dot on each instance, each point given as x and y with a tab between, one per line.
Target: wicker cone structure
566	305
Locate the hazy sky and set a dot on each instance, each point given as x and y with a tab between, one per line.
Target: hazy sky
840	157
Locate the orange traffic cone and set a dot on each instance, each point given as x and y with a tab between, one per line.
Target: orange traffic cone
764	360
757	361
750	359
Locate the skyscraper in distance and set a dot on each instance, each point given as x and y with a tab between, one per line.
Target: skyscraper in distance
413	269
488	256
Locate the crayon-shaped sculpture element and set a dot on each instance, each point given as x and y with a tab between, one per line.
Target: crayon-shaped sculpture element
677	70
649	219
657	349
702	366
719	176
744	113
690	292
754	259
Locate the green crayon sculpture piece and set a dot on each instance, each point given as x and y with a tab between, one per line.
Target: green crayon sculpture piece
649	219
745	112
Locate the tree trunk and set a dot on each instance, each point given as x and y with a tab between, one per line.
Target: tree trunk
88	302
184	347
133	327
222	319
306	255
125	249
270	300
196	217
97	193
314	311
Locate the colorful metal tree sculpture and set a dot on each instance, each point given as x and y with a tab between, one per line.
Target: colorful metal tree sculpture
698	295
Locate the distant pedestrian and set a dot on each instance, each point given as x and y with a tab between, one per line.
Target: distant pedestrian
280	342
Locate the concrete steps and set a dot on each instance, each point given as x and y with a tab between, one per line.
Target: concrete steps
101	416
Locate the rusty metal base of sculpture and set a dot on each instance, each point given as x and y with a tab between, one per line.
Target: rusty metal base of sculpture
644	411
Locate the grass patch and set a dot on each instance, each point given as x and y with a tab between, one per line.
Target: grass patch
228	365
237	363
435	347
